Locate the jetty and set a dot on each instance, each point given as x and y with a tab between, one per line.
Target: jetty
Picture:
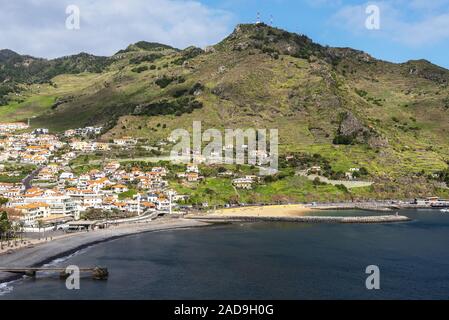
98	273
304	219
379	207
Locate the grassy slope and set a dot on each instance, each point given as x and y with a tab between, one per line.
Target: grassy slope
302	98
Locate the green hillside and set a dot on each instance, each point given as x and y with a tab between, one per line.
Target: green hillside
342	104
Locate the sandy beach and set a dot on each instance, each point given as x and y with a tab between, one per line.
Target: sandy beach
293	210
287	213
44	252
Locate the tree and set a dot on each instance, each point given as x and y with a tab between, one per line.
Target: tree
234	199
15	228
107	215
5	226
363	171
3	201
21	226
222	169
317	182
40	225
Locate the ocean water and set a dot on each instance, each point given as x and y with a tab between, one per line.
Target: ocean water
263	261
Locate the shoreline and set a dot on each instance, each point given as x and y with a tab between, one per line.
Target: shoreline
47	252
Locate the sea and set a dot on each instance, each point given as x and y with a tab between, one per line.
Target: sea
267	261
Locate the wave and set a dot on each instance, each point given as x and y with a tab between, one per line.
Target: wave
8	287
56	262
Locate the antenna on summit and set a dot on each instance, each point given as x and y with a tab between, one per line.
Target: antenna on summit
258	18
271	20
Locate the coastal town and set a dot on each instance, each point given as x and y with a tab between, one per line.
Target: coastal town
51	194
250	152
45	186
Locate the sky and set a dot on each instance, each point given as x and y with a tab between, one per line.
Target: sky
392	30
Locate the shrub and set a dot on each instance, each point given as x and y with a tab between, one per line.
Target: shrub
363	171
342	187
361	93
343	140
164	81
165	107
140	69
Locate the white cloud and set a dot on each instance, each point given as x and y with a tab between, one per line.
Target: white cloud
429	31
400	21
37	27
428	4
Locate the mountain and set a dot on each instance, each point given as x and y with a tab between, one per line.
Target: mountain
17	70
146	46
339	103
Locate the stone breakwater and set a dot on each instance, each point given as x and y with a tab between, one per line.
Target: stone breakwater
305	219
355	207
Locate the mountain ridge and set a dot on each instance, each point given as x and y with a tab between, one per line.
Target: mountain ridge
340	103
151	45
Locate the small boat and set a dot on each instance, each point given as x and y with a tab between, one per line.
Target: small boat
445	210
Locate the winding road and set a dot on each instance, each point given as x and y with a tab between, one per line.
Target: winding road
27	181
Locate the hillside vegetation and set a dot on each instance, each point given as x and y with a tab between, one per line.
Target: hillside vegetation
341	104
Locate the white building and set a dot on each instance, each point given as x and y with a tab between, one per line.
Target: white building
32	212
66	175
58	205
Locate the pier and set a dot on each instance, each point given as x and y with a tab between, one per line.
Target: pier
98	273
304	219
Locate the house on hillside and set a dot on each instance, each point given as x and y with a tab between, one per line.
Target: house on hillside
243	183
119	188
192	177
125	141
314	170
192	168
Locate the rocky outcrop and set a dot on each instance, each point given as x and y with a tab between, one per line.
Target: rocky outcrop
353	131
350	125
425	69
348	53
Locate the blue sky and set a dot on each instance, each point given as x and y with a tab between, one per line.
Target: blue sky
409	29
